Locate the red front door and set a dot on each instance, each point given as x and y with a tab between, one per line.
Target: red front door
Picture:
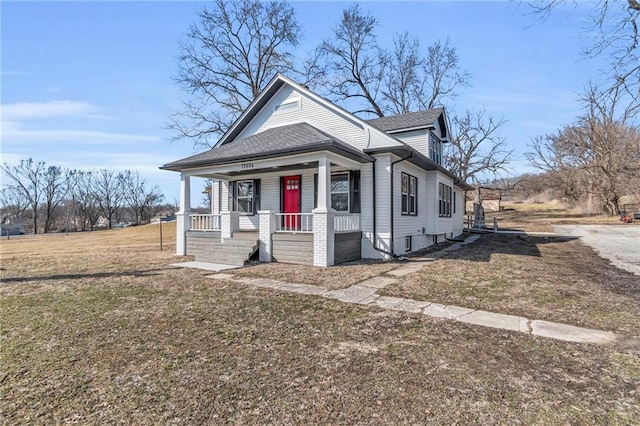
291	201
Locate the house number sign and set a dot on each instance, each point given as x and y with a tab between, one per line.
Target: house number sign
247	166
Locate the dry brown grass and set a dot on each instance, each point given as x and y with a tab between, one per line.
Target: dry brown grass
94	328
336	277
542	217
550	278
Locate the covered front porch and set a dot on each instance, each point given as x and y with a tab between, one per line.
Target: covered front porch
300	208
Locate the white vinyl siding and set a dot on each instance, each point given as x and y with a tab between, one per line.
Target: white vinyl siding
457	218
416	139
406	225
311	112
215	196
444	225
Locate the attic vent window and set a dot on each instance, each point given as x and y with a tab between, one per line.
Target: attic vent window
288	105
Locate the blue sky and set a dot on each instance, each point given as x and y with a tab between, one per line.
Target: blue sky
88	84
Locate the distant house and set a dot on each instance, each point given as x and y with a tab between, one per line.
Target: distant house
491	200
7	229
299	179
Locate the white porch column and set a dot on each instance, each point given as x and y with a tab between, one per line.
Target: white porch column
267	226
323	238
230	223
324	184
183	221
323	235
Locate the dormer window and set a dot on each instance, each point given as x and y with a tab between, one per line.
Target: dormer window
288	105
435	148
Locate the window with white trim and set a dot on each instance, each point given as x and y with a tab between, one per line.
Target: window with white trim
435	148
340	192
409	194
444	200
245	196
454	202
288	105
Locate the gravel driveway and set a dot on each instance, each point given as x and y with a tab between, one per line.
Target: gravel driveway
619	244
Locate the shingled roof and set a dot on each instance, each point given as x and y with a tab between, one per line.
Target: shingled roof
291	139
412	120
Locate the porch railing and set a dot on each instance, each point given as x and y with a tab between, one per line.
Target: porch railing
294	222
346	222
205	222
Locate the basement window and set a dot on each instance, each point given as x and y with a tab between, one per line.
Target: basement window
407	244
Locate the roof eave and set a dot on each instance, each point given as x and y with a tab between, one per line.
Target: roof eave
330	146
421	161
411	129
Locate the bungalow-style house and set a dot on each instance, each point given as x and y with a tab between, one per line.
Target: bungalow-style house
299	179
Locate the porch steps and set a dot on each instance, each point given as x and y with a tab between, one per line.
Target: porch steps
233	251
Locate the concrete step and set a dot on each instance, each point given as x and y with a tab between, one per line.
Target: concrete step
239	243
224	260
245	235
235	249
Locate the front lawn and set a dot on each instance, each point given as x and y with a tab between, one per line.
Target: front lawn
95	328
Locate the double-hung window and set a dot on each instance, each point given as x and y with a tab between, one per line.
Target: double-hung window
345	191
444	200
340	192
435	148
409	194
244	196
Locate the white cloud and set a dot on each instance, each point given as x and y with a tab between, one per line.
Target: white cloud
13	132
39	110
23	122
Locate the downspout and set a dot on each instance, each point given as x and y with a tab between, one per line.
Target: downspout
395	256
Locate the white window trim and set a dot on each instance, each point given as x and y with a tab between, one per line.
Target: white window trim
285	107
410	178
238	197
348	191
444	205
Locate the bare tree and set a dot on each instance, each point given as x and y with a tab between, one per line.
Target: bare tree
139	197
476	149
13	204
232	53
27	179
614	31
414	82
404	80
442	75
596	159
355	64
54	189
86	201
107	189
355	68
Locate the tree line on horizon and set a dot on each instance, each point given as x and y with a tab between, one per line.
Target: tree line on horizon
53	198
236	47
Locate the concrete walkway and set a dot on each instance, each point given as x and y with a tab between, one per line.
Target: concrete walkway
365	293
